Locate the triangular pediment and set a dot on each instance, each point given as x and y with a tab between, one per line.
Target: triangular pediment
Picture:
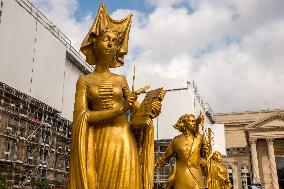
272	121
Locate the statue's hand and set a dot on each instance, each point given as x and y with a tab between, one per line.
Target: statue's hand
160	163
157	164
206	147
132	98
156	109
200	119
124	108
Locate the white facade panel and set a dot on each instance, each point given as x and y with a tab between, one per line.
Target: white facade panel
48	68
174	105
219	138
17	33
33	60
71	75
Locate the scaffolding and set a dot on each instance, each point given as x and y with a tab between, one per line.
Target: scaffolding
34	140
161	174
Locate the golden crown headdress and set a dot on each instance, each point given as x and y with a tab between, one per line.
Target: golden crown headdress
102	23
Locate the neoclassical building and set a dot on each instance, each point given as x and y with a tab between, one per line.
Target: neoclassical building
255	148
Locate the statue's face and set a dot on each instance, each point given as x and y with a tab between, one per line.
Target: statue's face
217	157
191	122
107	45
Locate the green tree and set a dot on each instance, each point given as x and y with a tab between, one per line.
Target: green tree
3	183
41	184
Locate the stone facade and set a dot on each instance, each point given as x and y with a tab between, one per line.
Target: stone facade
255	147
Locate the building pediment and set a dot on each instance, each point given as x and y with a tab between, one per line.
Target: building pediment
274	121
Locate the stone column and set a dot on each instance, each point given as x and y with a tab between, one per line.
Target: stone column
236	178
272	163
255	169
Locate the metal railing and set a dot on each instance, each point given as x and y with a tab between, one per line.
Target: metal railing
40	17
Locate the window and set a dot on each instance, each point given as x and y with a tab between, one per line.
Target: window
230	172
280	170
245	176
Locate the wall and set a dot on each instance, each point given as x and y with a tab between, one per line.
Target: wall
17	36
71	75
219	138
235	137
263	164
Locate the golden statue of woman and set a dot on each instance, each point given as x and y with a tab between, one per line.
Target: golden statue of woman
188	147
104	151
218	175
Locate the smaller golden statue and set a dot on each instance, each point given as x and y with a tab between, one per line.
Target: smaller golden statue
189	148
218	175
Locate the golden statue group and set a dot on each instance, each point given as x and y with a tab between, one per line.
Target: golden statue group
110	150
196	167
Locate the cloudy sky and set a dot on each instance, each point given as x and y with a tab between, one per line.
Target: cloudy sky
233	50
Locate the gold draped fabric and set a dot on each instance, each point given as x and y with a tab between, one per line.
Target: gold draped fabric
218	178
78	155
102	23
98	160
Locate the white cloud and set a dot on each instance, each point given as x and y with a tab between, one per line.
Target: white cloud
170	32
232	76
232	49
165	3
61	13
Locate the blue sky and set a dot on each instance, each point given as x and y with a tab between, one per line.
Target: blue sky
112	5
143	6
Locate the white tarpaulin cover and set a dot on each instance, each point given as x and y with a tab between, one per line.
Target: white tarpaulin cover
32	59
219	138
71	76
48	68
175	104
17	40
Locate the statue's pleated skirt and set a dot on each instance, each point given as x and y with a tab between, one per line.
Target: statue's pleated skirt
112	157
188	179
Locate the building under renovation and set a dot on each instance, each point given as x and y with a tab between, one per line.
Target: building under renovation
161	174
34	140
35	119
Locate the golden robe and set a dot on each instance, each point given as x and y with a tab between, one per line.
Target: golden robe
218	176
106	154
187	171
